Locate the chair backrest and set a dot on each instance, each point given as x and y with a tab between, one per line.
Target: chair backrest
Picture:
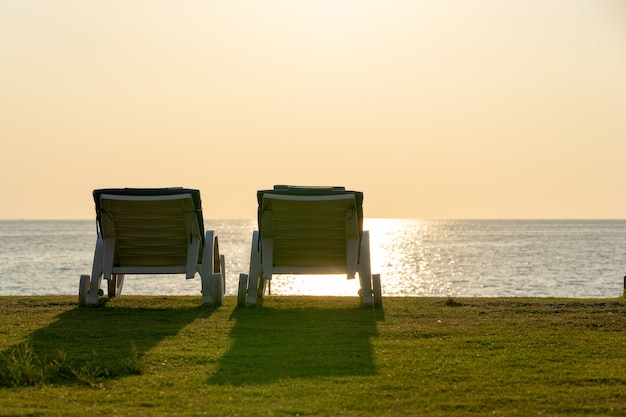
151	230
313	191
310	229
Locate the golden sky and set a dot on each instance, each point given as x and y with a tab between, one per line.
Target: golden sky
434	109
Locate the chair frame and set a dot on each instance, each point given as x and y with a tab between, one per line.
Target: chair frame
356	258
202	249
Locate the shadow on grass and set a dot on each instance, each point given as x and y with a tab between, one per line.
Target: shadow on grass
88	344
270	344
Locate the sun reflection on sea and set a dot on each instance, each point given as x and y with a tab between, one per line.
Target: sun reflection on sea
397	253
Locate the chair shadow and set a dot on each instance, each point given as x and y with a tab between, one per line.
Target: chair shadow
271	344
105	340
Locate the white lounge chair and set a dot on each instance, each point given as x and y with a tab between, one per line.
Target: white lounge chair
309	230
152	231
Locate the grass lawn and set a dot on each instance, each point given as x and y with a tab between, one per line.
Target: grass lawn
304	356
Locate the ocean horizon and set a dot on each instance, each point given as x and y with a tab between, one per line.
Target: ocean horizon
416	258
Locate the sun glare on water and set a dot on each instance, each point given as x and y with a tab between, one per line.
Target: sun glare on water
393	245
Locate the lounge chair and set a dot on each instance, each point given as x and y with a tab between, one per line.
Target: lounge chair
152	231
309	230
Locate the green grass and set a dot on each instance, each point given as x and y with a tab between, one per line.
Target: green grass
304	356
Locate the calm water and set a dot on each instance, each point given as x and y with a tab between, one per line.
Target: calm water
485	258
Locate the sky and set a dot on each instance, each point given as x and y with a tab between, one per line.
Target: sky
448	109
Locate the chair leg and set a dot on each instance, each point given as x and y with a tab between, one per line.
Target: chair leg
262	285
242	291
219	283
366	289
253	287
377	290
114	285
111	284
255	269
223	271
96	274
207	288
120	284
212	289
207	273
83	290
221	280
217	291
365	270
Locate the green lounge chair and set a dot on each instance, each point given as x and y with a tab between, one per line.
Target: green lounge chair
152	231
309	230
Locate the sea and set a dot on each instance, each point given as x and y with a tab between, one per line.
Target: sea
416	258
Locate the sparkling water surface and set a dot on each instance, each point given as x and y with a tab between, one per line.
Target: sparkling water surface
463	258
